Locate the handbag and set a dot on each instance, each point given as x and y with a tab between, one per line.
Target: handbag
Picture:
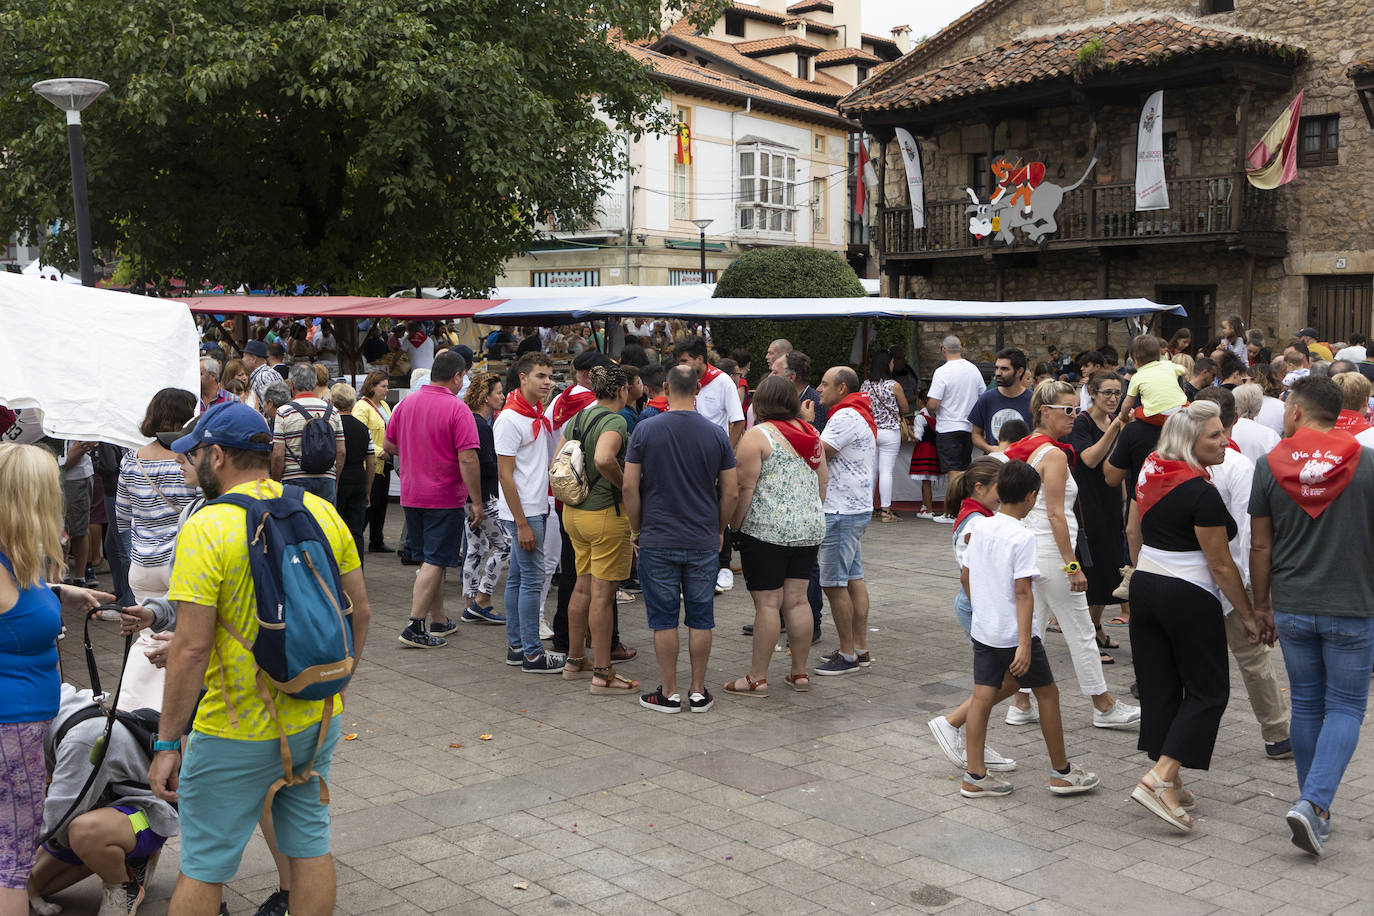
905	426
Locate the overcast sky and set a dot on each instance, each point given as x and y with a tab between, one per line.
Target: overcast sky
926	17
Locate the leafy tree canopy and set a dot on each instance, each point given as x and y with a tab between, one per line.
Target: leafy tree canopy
352	143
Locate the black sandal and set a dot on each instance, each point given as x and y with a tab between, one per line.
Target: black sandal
1104	641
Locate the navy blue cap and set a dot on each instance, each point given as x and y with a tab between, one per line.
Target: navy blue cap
256	348
464	351
231	425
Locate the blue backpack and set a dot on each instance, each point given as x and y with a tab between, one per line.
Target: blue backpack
304	646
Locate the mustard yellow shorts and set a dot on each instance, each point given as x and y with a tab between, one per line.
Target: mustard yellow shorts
601	542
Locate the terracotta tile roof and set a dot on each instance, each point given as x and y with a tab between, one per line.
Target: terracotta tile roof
811	6
846	56
759	71
680	72
878	40
1148	42
820	28
754	11
911	61
1364	68
763	47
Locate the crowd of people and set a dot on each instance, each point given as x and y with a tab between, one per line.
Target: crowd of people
1198	492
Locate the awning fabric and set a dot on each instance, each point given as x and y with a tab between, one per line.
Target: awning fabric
131	347
333	306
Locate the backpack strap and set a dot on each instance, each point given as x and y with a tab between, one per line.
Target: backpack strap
582	436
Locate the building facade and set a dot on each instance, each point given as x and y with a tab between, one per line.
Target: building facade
1031	97
761	152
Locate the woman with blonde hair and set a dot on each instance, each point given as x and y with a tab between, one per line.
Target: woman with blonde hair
30	621
1061	590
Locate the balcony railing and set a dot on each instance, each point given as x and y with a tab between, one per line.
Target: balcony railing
1106	212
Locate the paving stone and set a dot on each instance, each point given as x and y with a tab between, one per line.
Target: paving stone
1083	885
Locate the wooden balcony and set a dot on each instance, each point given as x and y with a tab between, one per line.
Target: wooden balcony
1222	208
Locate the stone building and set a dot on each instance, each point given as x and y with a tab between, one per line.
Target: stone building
1063	83
770	156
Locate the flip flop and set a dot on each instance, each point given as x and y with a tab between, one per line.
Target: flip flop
1105	642
1118	622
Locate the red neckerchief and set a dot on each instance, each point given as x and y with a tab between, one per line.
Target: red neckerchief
1351	422
1022	450
1158	476
417	338
708	375
971	506
569	404
1231	444
860	403
659	403
803	438
1314	467
516	401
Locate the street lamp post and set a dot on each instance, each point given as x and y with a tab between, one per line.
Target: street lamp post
72	96
701	224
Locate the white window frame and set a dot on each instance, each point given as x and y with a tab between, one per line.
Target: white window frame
766	193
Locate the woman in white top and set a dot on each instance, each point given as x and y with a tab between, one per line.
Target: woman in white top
1061	591
889	406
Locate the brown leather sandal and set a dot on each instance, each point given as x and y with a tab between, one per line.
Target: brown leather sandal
757	689
612	683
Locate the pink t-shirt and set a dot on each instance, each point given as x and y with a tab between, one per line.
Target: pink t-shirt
430	428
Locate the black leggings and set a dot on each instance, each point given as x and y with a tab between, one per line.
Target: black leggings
376	512
1178	642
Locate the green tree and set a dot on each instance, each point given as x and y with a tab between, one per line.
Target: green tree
352	143
789	273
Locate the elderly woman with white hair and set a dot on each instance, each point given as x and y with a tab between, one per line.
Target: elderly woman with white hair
1253	438
1178	631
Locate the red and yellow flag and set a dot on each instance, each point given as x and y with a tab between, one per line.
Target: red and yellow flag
684	144
1274	160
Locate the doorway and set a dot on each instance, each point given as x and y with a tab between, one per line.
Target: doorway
1338	306
1198	301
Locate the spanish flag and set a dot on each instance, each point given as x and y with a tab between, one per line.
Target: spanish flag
1274	160
684	144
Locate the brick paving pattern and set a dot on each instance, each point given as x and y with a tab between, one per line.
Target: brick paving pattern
836	800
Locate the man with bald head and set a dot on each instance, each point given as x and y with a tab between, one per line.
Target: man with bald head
779	347
954	390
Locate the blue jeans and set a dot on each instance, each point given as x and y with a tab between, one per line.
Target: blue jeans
666	571
323	487
524	582
1328	661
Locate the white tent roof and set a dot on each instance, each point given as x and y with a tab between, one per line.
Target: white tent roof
132	347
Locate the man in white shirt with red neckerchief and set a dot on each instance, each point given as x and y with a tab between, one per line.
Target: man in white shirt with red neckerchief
717	401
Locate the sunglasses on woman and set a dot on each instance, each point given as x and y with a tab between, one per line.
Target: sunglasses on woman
1068	411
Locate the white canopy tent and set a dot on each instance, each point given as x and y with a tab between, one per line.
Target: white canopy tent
130	348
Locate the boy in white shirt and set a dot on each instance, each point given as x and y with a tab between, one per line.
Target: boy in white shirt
998	568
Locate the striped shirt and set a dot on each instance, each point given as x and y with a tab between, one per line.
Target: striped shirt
148	504
290	426
262	377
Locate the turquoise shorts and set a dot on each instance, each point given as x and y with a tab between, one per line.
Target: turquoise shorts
222	790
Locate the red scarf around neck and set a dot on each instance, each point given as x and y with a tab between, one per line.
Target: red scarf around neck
1023	449
659	403
708	375
1158	476
1231	444
1313	467
803	438
569	404
516	401
1351	422
860	403
971	506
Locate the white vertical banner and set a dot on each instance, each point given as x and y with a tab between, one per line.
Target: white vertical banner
1151	192
915	184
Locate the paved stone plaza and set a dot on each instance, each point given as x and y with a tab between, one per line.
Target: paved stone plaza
836	800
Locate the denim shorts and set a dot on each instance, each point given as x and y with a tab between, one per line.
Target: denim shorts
841	557
666	571
223	787
438	534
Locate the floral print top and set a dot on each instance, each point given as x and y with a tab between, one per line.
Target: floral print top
786	507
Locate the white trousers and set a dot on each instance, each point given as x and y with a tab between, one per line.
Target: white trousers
553	552
142	683
1054	598
889	444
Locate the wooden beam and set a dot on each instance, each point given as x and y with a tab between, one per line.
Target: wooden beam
1239	182
1247	290
1104	278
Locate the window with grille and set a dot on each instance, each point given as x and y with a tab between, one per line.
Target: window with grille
1318	141
679	277
818	206
547	278
766	200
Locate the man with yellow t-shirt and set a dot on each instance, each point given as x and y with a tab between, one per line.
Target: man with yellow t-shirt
233	754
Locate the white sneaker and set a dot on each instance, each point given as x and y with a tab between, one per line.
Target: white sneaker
545	631
925	514
725	580
942	519
995	762
1018	716
1075	782
951	742
1119	715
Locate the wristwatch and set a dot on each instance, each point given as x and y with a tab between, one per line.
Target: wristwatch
159	746
1073	567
